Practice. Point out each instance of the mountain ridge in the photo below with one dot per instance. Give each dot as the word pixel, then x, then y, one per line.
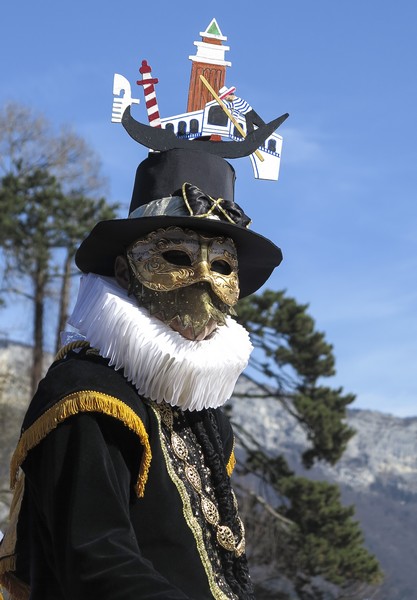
pixel 377 474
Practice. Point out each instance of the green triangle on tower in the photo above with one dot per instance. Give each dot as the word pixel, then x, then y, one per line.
pixel 210 62
pixel 213 28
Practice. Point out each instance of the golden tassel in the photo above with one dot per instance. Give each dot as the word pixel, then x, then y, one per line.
pixel 79 402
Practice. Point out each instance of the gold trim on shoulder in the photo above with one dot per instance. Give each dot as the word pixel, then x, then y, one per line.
pixel 232 461
pixel 78 402
pixel 71 346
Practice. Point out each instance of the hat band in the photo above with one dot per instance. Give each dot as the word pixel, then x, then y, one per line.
pixel 172 206
pixel 193 203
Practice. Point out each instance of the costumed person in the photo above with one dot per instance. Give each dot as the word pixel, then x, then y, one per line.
pixel 122 474
pixel 125 453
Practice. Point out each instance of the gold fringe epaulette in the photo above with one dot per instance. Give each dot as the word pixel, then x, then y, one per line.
pixel 78 402
pixel 231 463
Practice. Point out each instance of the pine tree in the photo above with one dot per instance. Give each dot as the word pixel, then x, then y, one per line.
pixel 29 205
pixel 305 532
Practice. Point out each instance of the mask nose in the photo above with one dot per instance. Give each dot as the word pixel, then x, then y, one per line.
pixel 202 268
pixel 203 271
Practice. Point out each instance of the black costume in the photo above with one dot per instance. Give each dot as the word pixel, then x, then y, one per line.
pixel 95 453
pixel 126 456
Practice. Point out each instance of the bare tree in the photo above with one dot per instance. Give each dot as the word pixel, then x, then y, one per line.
pixel 49 192
pixel 28 143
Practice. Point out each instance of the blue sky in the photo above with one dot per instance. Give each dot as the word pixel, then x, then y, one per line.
pixel 344 210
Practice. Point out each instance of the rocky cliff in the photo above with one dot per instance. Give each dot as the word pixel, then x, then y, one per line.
pixel 377 474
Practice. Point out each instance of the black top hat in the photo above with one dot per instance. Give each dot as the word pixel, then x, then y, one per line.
pixel 183 188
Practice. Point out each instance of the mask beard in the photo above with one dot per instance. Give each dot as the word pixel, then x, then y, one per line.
pixel 194 311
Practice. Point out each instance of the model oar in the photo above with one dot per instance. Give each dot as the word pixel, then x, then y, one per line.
pixel 228 113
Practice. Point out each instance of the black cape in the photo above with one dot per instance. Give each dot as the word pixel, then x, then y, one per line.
pixel 102 509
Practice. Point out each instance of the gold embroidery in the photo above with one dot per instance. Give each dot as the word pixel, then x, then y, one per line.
pixel 84 401
pixel 225 537
pixel 179 446
pixel 210 511
pixel 224 534
pixel 191 520
pixel 193 477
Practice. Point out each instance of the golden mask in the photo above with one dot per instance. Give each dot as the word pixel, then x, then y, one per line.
pixel 194 311
pixel 173 258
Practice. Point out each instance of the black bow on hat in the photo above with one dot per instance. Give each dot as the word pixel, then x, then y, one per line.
pixel 203 206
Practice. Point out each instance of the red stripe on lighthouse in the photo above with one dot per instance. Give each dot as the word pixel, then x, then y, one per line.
pixel 150 95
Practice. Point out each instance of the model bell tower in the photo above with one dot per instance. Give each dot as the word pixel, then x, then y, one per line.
pixel 209 62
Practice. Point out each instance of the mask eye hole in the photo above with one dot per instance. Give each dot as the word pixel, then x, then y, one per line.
pixel 221 266
pixel 177 258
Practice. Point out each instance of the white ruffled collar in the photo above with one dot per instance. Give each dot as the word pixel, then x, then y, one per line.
pixel 162 365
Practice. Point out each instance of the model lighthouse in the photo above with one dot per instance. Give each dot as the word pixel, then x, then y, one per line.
pixel 209 62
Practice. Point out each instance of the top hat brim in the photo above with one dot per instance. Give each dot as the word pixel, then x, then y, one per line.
pixel 257 256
